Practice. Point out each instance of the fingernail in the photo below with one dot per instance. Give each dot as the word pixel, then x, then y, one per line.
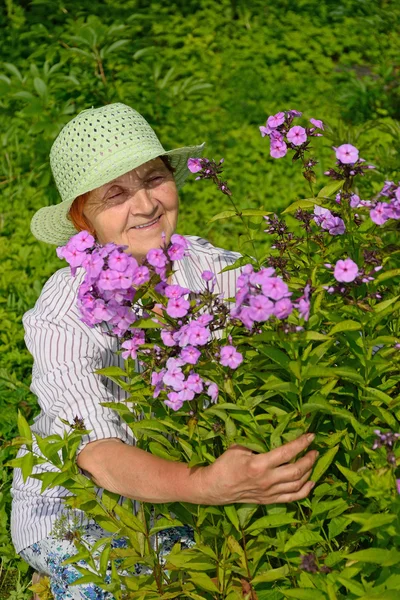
pixel 313 484
pixel 310 436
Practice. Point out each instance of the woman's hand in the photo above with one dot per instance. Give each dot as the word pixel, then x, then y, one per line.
pixel 239 475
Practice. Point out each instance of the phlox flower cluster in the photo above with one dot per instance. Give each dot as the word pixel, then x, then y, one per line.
pixel 348 163
pixel 347 271
pixel 112 279
pixel 326 220
pixel 383 211
pixel 261 295
pixel 284 135
pixel 209 169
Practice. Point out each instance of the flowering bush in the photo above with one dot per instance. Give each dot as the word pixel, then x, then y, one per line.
pixel 309 343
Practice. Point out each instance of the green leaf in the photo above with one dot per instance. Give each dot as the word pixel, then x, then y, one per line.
pixel 274 520
pixel 323 463
pixel 300 204
pixel 250 212
pixel 385 275
pixel 336 526
pixel 245 512
pixel 378 394
pixel 353 586
pixel 302 538
pixel 115 45
pixel 351 476
pixel 337 372
pixel 370 521
pixel 232 515
pixel 377 556
pixel 203 581
pixel 24 429
pixel 112 372
pixel 330 189
pixel 27 464
pixel 271 575
pixel 147 324
pixel 226 214
pixel 40 86
pixel 345 326
pixel 165 523
pixel 276 355
pixel 304 594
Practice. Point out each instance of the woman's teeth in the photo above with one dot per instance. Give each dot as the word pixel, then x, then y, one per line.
pixel 147 224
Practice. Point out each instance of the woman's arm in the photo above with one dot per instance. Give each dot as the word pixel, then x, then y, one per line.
pixel 238 475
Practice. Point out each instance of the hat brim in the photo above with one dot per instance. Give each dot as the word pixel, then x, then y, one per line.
pixel 50 224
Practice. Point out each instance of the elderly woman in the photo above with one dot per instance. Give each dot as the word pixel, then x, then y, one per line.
pixel 117 181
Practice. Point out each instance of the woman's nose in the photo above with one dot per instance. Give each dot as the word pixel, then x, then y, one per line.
pixel 142 202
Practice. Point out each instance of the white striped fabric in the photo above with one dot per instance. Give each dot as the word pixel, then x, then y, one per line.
pixel 66 353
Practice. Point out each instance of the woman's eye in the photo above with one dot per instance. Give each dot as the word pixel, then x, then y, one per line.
pixel 156 178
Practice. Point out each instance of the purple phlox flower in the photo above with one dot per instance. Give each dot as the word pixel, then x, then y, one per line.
pixel 195 383
pixel 83 241
pixel 398 485
pixel 321 216
pixel 262 276
pixel 184 390
pixel 176 238
pixel 140 276
pixel 354 201
pixel 275 288
pixel 213 391
pixel 161 287
pixel 205 319
pixel 278 148
pixel 118 261
pixel 71 254
pixel 108 280
pixel 261 308
pixel 347 154
pixel 335 226
pixel 303 306
pixel 173 378
pixel 317 123
pixel 392 210
pixel 190 355
pixel 244 315
pixel 276 136
pixel 157 381
pixel 208 276
pixel 294 113
pixel 276 120
pixel 178 307
pixel 378 213
pixel 93 263
pixel 230 357
pixel 345 270
pixel 297 135
pixel 167 338
pixel 387 188
pixel 102 311
pixel 198 335
pixel 283 308
pixel 338 198
pixel 265 130
pixel 105 250
pixel 175 291
pixel 174 401
pixel 176 252
pixel 133 344
pixel 397 193
pixel 156 257
pixel 308 563
pixel 194 165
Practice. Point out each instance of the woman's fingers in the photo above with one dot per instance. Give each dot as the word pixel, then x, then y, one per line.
pixel 291 486
pixel 293 496
pixel 296 471
pixel 284 454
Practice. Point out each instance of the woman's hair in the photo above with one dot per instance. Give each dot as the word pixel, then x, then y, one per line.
pixel 76 211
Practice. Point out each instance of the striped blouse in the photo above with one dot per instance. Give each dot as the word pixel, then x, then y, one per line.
pixel 66 353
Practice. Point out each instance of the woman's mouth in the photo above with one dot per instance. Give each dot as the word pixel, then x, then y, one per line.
pixel 147 225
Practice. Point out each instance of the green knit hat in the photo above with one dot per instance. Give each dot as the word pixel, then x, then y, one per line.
pixel 97 146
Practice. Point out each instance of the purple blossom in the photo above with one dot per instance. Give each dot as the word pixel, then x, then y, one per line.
pixel 347 154
pixel 278 149
pixel 83 241
pixel 195 383
pixel 177 307
pixel 275 288
pixel 283 308
pixel 265 130
pixel 303 306
pixel 317 123
pixel 176 238
pixel 276 120
pixel 378 213
pixel 194 165
pixel 335 226
pixel 230 357
pixel 133 344
pixel 175 291
pixel 157 382
pixel 174 401
pixel 345 270
pixel 294 113
pixel 198 335
pixel 140 276
pixel 297 135
pixel 173 378
pixel 156 257
pixel 167 338
pixel 118 261
pixel 213 391
pixel 190 355
pixel 261 308
pixel 322 216
pixel 208 276
pixel 354 201
pixel 176 252
pixel 93 263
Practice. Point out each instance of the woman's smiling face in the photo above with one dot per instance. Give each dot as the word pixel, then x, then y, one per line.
pixel 135 209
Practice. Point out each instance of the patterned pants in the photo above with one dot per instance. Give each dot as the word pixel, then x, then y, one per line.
pixel 47 555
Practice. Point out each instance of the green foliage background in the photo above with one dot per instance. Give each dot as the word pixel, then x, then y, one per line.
pixel 198 71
